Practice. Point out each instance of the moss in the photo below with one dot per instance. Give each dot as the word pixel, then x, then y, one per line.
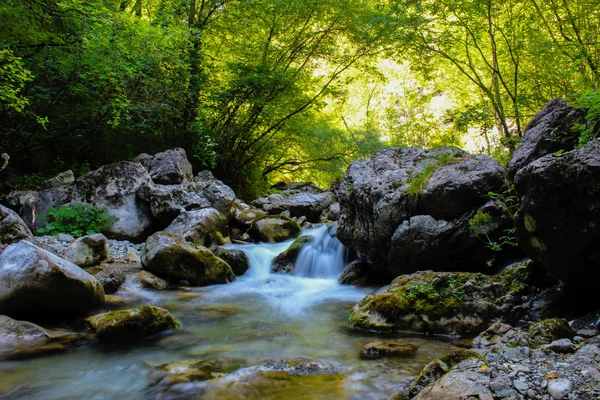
pixel 387 349
pixel 132 324
pixel 549 330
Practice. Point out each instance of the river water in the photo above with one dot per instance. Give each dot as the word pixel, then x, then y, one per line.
pixel 259 317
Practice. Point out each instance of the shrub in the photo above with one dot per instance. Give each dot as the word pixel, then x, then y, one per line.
pixel 76 220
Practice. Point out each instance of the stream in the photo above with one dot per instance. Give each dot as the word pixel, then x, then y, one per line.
pixel 261 316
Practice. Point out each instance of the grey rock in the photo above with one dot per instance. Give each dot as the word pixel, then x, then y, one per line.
pixel 150 281
pixel 63 237
pixel 114 187
pixel 36 282
pixel 274 229
pixel 549 131
pixel 502 387
pixel 560 346
pixel 521 386
pixel 309 205
pixel 458 385
pixel 111 278
pixel 206 227
pixel 559 388
pixel 557 222
pixel 12 228
pixel 62 179
pixel 88 251
pixel 170 167
pixel 219 195
pixel 382 219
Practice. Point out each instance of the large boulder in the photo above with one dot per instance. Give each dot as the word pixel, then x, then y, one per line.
pixel 169 256
pixel 88 251
pixel 549 131
pixel 409 209
pixel 445 302
pixel 12 228
pixel 558 222
pixel 274 228
pixel 34 281
pixel 114 187
pixel 219 195
pixel 310 205
pixel 170 167
pixel 206 227
pixel 236 258
pixel 131 324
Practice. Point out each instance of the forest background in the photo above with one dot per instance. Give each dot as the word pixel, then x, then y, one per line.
pixel 266 90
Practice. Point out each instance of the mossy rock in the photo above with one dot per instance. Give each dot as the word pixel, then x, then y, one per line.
pixel 285 262
pixel 236 259
pixel 178 372
pixel 442 302
pixel 131 324
pixel 274 228
pixel 169 256
pixel 439 367
pixel 379 349
pixel 549 330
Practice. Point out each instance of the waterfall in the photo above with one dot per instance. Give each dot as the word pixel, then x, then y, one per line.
pixel 322 257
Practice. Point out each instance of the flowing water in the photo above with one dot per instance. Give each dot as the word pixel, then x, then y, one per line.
pixel 259 317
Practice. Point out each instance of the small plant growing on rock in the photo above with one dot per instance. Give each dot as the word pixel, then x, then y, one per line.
pixel 480 225
pixel 76 220
pixel 417 182
pixel 588 100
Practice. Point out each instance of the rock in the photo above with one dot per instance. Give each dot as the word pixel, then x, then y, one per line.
pixel 521 386
pixel 114 187
pixel 274 229
pixel 236 258
pixel 206 227
pixel 443 302
pixel 170 167
pixel 63 237
pixel 560 346
pixel 145 159
pixel 549 131
pixel 559 388
pixel 303 204
pixel 244 218
pixel 131 324
pixel 358 274
pixel 458 385
pixel 219 195
pixel 111 278
pixel 440 367
pixel 297 187
pixel 285 262
pixel 549 330
pixel 150 281
pixel 62 179
pixel 12 228
pixel 20 339
pixel 88 251
pixel 181 372
pixel 391 199
pixel 38 283
pixel 557 222
pixel 492 335
pixel 32 205
pixel 380 349
pixel 332 213
pixel 171 257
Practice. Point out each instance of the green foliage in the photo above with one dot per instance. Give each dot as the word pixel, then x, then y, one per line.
pixel 76 220
pixel 588 100
pixel 417 182
pixel 480 225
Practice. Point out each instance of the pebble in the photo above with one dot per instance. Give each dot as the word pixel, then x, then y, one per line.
pixel 520 386
pixel 564 346
pixel 531 394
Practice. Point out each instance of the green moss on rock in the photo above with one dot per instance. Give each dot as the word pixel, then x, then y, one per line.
pixel 549 330
pixel 131 324
pixel 274 228
pixel 442 302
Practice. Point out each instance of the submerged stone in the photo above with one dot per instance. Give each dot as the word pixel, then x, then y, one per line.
pixel 381 349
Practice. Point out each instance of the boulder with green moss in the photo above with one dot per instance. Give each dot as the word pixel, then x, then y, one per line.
pixel 206 227
pixel 274 228
pixel 549 330
pixel 170 257
pixel 285 262
pixel 444 302
pixel 379 349
pixel 36 282
pixel 131 324
pixel 236 258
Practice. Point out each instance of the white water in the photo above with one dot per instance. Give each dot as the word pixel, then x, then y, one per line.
pixel 319 264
